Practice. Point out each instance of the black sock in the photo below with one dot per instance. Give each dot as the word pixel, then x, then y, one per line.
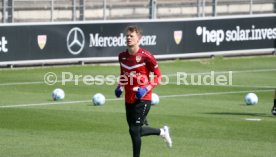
pixel 150 131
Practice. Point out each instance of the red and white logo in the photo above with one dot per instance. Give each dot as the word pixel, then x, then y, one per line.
pixel 41 41
pixel 138 59
pixel 177 37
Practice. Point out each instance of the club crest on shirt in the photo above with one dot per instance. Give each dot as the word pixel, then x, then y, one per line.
pixel 138 58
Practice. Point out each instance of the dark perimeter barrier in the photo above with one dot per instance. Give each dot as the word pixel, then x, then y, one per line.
pixel 40 43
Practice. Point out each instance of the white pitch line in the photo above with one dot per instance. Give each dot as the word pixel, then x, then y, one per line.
pixel 20 83
pixel 243 86
pixel 42 104
pixel 213 93
pixel 253 119
pixel 42 82
pixel 53 103
pixel 225 72
pixel 116 99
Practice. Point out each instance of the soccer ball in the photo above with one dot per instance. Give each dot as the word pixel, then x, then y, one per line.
pixel 154 99
pixel 251 99
pixel 98 99
pixel 58 94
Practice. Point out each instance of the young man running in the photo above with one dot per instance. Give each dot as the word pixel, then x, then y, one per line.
pixel 136 64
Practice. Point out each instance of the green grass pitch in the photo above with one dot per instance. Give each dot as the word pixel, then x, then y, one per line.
pixel 205 120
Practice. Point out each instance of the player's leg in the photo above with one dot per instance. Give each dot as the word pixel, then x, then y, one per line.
pixel 274 108
pixel 135 133
pixel 146 122
pixel 136 114
pixel 274 105
pixel 143 109
pixel 146 131
pixel 134 129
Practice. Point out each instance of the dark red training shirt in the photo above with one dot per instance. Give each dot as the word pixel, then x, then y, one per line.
pixel 135 72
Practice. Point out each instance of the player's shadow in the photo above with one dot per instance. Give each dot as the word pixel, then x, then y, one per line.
pixel 239 114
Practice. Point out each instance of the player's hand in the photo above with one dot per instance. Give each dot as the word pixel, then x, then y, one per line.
pixel 141 92
pixel 118 91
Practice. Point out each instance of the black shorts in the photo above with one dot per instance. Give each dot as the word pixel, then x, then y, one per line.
pixel 137 112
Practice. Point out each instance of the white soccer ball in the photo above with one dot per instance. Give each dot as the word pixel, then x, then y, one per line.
pixel 58 94
pixel 251 99
pixel 154 99
pixel 98 99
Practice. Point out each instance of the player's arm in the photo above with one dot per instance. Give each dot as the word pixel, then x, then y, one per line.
pixel 152 66
pixel 156 78
pixel 142 91
pixel 119 88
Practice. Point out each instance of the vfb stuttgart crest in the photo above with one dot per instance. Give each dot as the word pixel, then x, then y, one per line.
pixel 177 37
pixel 138 59
pixel 41 41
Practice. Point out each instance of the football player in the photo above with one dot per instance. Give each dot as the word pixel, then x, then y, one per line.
pixel 136 64
pixel 274 106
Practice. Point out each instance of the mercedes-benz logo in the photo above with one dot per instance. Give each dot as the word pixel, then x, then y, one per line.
pixel 75 41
